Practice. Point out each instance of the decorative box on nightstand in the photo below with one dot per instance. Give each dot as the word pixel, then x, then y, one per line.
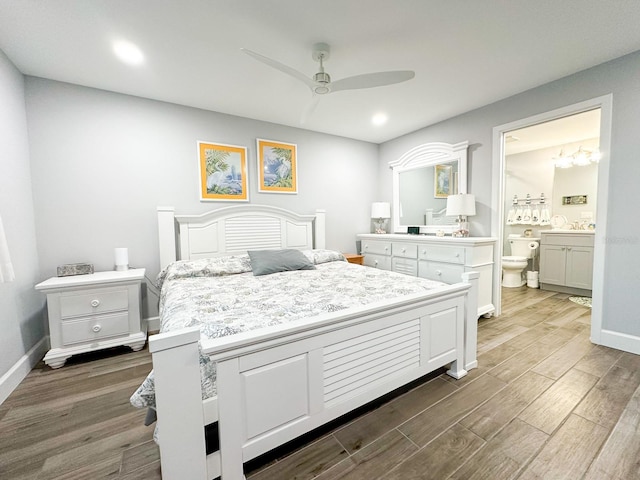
pixel 92 312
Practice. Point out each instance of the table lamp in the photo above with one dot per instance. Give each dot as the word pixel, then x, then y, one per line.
pixel 461 205
pixel 380 212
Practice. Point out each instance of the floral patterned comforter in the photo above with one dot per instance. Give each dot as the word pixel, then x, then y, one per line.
pixel 222 297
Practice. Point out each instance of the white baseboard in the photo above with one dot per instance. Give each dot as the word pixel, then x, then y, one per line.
pixel 153 324
pixel 620 341
pixel 10 380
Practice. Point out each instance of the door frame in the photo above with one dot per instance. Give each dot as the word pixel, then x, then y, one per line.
pixel 605 104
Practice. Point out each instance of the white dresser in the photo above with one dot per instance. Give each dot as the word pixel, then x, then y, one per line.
pixel 92 312
pixel 436 258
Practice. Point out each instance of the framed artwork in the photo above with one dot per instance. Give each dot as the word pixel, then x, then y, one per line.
pixel 223 172
pixel 277 167
pixel 442 181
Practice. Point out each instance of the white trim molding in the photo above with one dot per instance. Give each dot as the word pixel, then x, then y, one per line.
pixel 605 104
pixel 10 380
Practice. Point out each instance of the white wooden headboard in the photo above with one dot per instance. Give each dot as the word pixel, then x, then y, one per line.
pixel 234 230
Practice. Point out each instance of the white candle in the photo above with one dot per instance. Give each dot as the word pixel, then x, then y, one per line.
pixel 122 259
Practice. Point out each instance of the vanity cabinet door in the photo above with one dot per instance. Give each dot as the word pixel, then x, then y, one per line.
pixel 552 264
pixel 579 267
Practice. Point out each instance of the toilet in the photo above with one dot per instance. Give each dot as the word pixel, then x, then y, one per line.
pixel 513 266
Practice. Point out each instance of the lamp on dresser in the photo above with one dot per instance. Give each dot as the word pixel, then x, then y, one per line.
pixel 462 205
pixel 380 212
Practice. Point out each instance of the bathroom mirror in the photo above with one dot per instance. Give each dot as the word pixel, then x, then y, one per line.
pixel 422 179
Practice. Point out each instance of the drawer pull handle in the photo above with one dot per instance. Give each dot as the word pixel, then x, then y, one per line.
pixel 95 303
pixel 457 255
pixel 96 328
pixel 438 272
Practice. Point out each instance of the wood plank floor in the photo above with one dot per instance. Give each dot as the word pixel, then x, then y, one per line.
pixel 544 403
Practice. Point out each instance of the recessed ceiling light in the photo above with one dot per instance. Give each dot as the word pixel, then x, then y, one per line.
pixel 379 119
pixel 128 52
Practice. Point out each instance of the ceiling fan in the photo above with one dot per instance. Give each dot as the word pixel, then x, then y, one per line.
pixel 321 84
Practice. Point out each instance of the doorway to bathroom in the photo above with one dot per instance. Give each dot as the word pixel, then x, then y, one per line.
pixel 553 167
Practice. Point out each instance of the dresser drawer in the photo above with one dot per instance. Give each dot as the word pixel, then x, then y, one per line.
pixel 378 261
pixel 378 248
pixel 405 265
pixel 442 254
pixel 443 272
pixel 93 302
pixel 100 326
pixel 404 250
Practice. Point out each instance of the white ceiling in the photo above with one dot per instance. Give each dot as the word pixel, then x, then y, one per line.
pixel 562 131
pixel 466 54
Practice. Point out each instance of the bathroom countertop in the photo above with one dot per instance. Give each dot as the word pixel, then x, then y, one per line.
pixel 565 231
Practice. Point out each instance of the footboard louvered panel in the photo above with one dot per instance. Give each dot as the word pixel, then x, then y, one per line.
pixel 353 365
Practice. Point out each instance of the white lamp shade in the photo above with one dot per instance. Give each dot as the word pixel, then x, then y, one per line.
pixel 380 210
pixel 461 204
pixel 122 259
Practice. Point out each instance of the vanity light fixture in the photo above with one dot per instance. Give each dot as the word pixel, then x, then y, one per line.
pixel 580 158
pixel 128 52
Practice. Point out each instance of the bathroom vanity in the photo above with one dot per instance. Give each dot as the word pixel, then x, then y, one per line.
pixel 436 258
pixel 566 261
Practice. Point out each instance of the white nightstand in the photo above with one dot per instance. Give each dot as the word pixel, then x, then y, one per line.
pixel 92 312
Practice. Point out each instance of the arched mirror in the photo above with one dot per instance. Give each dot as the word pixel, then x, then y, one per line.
pixel 422 179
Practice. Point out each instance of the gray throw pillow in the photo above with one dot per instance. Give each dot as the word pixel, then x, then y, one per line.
pixel 264 262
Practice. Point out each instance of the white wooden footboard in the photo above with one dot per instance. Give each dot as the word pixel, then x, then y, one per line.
pixel 277 384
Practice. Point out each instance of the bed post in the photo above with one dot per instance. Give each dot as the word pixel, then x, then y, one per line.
pixel 166 235
pixel 319 226
pixel 176 365
pixel 231 419
pixel 471 321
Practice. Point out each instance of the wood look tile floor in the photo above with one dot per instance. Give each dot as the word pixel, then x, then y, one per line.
pixel 544 403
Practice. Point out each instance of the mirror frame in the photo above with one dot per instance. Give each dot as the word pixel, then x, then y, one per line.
pixel 425 155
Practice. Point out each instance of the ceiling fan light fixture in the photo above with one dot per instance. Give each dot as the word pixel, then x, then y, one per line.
pixel 321 90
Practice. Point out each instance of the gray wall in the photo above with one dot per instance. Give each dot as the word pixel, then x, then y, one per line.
pixel 102 162
pixel 21 321
pixel 618 77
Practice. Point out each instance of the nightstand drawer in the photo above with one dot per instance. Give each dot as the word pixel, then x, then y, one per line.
pixel 93 328
pixel 93 302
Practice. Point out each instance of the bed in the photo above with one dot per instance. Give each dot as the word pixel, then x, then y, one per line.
pixel 283 379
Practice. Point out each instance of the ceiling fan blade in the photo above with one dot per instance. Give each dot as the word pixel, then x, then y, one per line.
pixel 370 80
pixel 310 109
pixel 281 66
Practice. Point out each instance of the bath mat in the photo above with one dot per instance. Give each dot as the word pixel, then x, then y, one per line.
pixel 584 301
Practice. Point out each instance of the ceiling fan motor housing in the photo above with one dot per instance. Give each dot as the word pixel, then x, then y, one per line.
pixel 322 77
